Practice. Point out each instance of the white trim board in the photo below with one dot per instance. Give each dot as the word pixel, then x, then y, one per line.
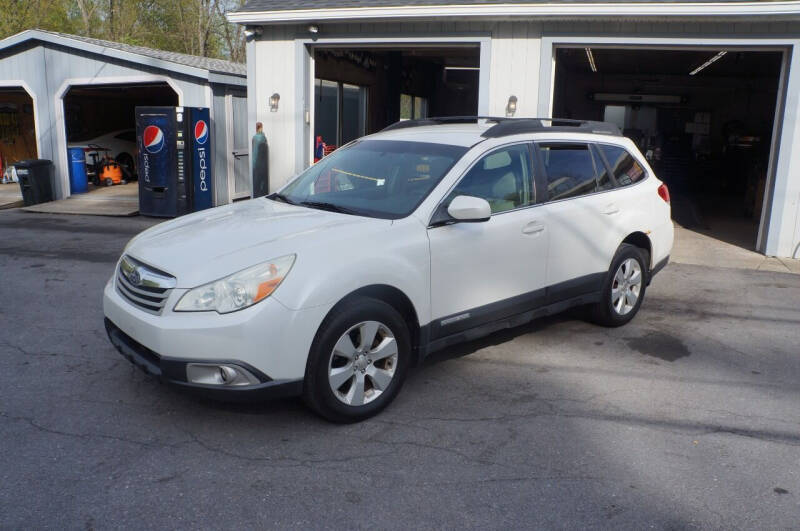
pixel 789 8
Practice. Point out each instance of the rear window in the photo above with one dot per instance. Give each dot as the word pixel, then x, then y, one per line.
pixel 626 168
pixel 570 170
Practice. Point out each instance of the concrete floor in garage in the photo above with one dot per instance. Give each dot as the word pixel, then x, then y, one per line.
pixel 687 417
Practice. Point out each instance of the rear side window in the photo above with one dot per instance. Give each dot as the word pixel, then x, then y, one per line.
pixel 626 169
pixel 570 169
pixel 604 181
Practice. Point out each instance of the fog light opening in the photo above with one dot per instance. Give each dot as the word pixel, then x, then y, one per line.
pixel 227 375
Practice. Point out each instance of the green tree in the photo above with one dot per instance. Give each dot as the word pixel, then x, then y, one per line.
pixel 19 15
pixel 196 27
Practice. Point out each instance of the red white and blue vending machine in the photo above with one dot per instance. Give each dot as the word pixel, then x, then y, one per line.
pixel 174 162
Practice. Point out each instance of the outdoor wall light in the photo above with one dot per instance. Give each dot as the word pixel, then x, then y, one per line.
pixel 313 28
pixel 273 102
pixel 251 31
pixel 511 106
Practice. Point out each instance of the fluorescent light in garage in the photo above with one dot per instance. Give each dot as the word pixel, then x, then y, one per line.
pixel 590 57
pixel 711 61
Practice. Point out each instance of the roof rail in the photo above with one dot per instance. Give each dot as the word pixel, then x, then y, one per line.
pixel 515 126
pixel 439 120
pixel 537 125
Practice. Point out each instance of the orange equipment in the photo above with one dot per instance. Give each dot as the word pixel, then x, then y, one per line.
pixel 110 172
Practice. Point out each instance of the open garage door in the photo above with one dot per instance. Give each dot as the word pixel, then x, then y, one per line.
pixel 17 126
pixel 17 140
pixel 100 119
pixel 704 118
pixel 360 90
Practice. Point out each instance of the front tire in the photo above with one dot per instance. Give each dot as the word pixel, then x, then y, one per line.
pixel 624 288
pixel 358 361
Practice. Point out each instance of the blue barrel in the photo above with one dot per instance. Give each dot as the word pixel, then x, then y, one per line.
pixel 78 181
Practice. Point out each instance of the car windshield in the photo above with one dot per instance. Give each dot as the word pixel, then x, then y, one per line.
pixel 376 178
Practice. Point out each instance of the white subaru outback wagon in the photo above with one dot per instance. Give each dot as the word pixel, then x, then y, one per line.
pixel 401 243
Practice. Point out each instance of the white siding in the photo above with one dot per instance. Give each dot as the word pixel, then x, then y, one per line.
pixel 514 68
pixel 274 71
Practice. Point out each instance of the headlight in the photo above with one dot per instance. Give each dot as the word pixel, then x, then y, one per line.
pixel 239 290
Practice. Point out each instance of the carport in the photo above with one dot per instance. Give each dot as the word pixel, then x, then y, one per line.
pixel 82 88
pixel 705 118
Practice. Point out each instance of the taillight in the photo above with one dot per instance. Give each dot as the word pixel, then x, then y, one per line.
pixel 663 192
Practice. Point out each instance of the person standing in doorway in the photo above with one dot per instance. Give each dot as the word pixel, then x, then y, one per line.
pixel 260 153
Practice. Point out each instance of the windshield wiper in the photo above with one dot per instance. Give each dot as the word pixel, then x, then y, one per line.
pixel 280 197
pixel 322 205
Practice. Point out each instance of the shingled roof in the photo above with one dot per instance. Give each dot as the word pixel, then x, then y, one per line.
pixel 216 66
pixel 288 5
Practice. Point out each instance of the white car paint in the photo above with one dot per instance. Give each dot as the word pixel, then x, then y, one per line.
pixel 443 271
pixel 109 141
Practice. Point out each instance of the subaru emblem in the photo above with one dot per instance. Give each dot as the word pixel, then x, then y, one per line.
pixel 135 277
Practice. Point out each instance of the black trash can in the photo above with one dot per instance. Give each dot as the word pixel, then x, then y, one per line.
pixel 35 180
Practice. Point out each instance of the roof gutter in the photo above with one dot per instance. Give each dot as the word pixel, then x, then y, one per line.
pixel 790 8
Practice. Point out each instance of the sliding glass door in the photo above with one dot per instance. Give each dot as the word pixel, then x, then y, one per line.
pixel 340 112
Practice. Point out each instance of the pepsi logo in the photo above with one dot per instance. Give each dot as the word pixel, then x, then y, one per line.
pixel 153 139
pixel 201 131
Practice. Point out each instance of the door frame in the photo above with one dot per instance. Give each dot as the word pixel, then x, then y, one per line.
pixel 306 73
pixel 781 144
pixel 60 111
pixel 20 84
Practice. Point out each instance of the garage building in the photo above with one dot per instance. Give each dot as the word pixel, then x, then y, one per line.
pixel 709 90
pixel 58 90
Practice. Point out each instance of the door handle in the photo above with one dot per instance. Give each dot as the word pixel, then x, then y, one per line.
pixel 534 227
pixel 611 209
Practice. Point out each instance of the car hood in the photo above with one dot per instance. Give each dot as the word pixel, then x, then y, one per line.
pixel 205 246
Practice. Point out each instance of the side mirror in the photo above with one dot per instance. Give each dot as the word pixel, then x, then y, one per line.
pixel 469 208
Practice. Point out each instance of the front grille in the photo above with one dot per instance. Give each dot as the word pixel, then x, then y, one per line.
pixel 143 286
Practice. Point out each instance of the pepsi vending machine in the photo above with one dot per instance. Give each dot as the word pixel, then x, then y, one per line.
pixel 175 175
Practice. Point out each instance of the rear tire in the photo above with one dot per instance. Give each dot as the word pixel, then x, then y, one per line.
pixel 109 182
pixel 358 361
pixel 624 288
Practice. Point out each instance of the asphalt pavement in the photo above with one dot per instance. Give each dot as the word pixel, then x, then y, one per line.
pixel 688 417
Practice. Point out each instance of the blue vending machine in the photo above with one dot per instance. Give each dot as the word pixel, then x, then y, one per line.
pixel 175 175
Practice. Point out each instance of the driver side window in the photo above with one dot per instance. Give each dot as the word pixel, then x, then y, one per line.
pixel 503 178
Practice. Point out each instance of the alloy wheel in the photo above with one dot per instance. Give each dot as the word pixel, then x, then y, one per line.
pixel 363 363
pixel 626 287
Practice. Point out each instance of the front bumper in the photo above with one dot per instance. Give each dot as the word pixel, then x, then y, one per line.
pixel 268 336
pixel 173 371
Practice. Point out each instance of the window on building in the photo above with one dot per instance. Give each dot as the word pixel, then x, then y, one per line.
pixel 626 168
pixel 413 107
pixel 570 169
pixel 340 112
